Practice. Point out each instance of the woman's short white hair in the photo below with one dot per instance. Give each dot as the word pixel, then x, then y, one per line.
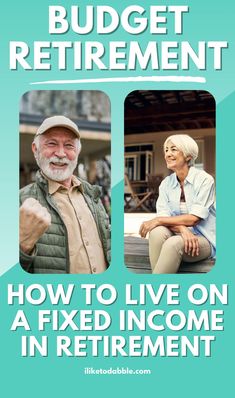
pixel 185 144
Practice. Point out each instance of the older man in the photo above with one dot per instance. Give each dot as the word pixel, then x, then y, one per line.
pixel 63 225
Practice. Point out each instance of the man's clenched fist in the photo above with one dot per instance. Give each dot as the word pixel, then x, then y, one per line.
pixel 34 221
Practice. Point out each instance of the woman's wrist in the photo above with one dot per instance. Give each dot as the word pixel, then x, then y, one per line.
pixel 182 228
pixel 158 221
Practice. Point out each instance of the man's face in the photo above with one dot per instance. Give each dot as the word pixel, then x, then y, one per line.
pixel 57 153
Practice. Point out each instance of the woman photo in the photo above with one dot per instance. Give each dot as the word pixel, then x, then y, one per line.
pixel 184 228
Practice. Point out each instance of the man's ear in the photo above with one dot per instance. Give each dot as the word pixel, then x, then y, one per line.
pixel 34 148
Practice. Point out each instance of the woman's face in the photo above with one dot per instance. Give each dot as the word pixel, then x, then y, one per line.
pixel 175 159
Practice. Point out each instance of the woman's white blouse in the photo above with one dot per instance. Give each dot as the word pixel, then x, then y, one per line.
pixel 199 191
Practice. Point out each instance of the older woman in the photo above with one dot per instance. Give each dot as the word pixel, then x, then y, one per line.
pixel 184 228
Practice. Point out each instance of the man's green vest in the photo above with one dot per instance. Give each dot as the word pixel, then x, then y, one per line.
pixel 52 250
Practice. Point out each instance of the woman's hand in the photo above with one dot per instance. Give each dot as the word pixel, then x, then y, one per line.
pixel 191 244
pixel 147 226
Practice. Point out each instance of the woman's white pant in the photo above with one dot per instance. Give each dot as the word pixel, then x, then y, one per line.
pixel 166 251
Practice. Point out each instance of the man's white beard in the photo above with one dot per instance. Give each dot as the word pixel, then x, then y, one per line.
pixel 53 174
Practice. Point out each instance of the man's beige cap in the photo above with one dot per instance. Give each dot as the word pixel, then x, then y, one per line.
pixel 55 121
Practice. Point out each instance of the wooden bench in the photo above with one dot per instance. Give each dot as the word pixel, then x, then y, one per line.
pixel 137 258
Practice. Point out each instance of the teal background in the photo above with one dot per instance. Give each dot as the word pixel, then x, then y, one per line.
pixel 28 21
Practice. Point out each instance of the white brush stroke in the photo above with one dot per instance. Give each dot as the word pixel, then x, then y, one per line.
pixel 176 79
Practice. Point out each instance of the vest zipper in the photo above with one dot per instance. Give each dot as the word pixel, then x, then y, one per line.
pixel 48 198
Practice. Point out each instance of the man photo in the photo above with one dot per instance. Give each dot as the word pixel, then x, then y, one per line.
pixel 63 225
